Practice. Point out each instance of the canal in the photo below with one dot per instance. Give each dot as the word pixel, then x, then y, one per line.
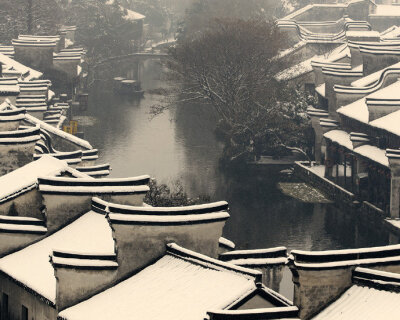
pixel 180 145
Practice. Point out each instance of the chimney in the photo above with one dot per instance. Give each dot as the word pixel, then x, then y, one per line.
pixel 65 199
pixel 80 276
pixel 141 233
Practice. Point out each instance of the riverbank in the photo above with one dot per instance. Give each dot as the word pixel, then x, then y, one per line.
pixel 314 175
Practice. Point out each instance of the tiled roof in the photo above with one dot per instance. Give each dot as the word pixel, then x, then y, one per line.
pixel 88 234
pixel 180 285
pixel 374 295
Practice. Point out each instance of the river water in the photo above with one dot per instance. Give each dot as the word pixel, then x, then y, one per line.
pixel 180 144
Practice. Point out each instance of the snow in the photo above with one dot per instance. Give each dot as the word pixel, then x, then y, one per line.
pixel 258 261
pixel 394 223
pixel 18 218
pixel 296 70
pixel 174 287
pixel 386 10
pixel 360 303
pixel 390 123
pixel 27 175
pixel 321 90
pixel 84 262
pixel 356 110
pixel 292 49
pixel 115 217
pixel 58 132
pixel 372 78
pixel 130 14
pixel 346 251
pixel 373 153
pixel 379 273
pixel 11 63
pixel 364 34
pixel 255 251
pixel 392 32
pixel 388 93
pixel 341 137
pixel 347 263
pixel 165 209
pixel 88 234
pixel 226 242
pixel 318 170
pixel 93 189
pixel 255 312
pixel 22 227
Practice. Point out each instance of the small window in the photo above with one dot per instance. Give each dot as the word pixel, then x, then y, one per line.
pixel 24 313
pixel 4 309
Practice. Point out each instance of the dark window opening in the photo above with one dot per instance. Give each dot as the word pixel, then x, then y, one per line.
pixel 24 313
pixel 4 309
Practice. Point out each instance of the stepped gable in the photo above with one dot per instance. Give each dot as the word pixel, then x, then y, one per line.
pixel 18 232
pixel 25 178
pixel 28 225
pixel 256 257
pixel 181 284
pixel 116 186
pixel 374 294
pixel 100 170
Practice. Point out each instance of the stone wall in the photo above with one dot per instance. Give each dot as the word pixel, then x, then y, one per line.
pixel 334 191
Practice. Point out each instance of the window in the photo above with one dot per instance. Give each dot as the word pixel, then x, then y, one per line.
pixel 24 313
pixel 4 309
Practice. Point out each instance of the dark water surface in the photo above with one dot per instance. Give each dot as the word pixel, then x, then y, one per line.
pixel 180 144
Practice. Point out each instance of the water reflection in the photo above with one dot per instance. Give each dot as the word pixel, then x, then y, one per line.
pixel 180 144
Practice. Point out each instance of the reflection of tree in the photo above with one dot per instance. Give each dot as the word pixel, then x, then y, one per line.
pixel 195 125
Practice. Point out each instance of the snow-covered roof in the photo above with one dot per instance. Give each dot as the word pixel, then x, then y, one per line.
pixel 341 137
pixel 359 303
pixel 386 10
pixel 89 234
pixel 373 153
pixel 19 67
pixel 65 135
pixel 130 14
pixel 181 285
pixel 373 77
pixel 390 123
pixel 358 110
pixel 296 70
pixel 375 295
pixel 392 32
pixel 16 224
pixel 26 177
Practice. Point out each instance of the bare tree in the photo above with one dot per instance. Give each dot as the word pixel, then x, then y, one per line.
pixel 231 66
